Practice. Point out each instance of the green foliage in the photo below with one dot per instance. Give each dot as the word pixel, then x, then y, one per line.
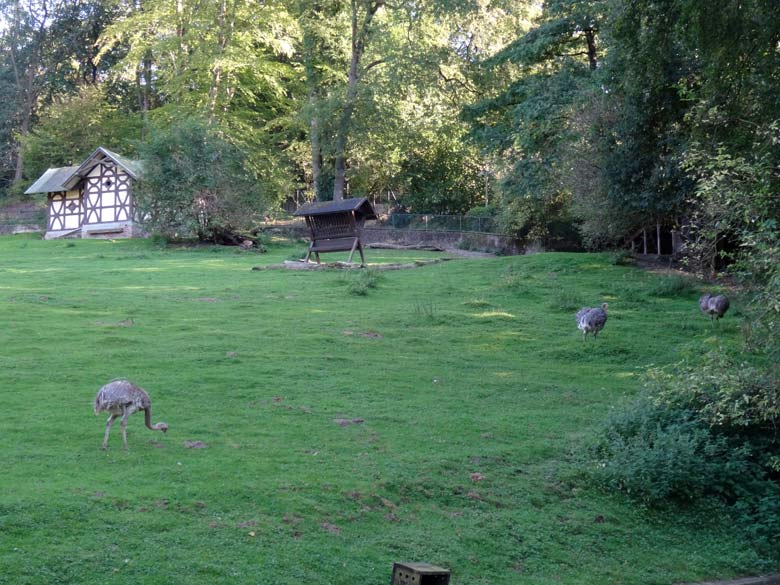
pixel 623 258
pixel 196 184
pixel 655 454
pixel 444 178
pixel 565 300
pixel 524 126
pixel 726 395
pixel 71 127
pixel 360 282
pixel 674 285
pixel 700 430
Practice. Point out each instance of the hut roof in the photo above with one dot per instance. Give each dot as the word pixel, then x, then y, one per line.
pixel 360 205
pixel 66 178
pixel 51 181
pixel 100 155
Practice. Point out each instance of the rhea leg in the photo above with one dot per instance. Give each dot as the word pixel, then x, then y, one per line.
pixel 124 430
pixel 109 422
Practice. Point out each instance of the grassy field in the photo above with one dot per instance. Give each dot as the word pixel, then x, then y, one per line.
pixel 440 417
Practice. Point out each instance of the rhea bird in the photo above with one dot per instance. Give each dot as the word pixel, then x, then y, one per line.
pixel 592 320
pixel 123 398
pixel 714 305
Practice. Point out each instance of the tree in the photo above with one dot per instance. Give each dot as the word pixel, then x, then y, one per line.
pixel 526 124
pixel 72 126
pixel 47 50
pixel 195 183
pixel 228 62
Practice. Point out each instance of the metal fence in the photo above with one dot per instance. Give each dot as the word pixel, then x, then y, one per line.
pixel 440 223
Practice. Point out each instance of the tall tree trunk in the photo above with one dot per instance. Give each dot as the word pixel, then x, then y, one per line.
pixel 316 148
pixel 359 38
pixel 26 86
pixel 313 83
pixel 590 39
pixel 225 23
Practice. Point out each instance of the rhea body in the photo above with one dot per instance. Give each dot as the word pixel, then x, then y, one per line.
pixel 714 305
pixel 121 398
pixel 592 320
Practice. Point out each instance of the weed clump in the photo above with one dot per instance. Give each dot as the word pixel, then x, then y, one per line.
pixel 361 282
pixel 565 300
pixel 672 286
pixel 622 258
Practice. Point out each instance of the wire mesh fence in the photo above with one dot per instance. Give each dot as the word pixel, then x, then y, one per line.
pixel 441 223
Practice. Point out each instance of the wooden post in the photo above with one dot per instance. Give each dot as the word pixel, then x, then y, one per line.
pixel 644 240
pixel 658 238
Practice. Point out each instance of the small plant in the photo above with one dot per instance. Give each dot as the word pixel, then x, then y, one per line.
pixel 296 256
pixel 70 244
pixel 514 279
pixel 425 310
pixel 622 258
pixel 672 286
pixel 565 300
pixel 159 240
pixel 360 283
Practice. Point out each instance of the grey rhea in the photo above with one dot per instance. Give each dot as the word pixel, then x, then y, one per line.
pixel 714 305
pixel 591 320
pixel 123 398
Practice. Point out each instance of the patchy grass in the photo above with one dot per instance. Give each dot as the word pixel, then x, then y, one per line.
pixel 438 417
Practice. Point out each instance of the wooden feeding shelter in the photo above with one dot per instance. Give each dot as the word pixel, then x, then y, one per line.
pixel 336 226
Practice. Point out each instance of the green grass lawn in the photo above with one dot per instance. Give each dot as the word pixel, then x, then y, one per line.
pixel 476 393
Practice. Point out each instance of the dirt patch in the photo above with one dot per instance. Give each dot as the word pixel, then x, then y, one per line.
pixel 195 444
pixel 124 323
pixel 371 335
pixel 344 422
pixel 332 528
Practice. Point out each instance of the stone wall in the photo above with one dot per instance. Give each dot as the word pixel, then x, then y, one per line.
pixel 465 240
pixel 22 217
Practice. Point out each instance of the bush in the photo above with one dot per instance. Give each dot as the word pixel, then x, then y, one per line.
pixel 702 430
pixel 565 300
pixel 623 258
pixel 195 183
pixel 654 454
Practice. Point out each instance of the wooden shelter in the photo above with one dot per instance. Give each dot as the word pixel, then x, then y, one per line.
pixel 336 226
pixel 93 199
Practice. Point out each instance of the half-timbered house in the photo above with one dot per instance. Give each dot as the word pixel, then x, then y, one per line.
pixel 92 200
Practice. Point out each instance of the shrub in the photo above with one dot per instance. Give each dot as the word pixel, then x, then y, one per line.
pixel 195 183
pixel 654 454
pixel 701 430
pixel 623 258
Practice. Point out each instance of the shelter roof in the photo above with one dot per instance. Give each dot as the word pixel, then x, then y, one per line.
pixel 66 178
pixel 51 181
pixel 360 205
pixel 100 155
